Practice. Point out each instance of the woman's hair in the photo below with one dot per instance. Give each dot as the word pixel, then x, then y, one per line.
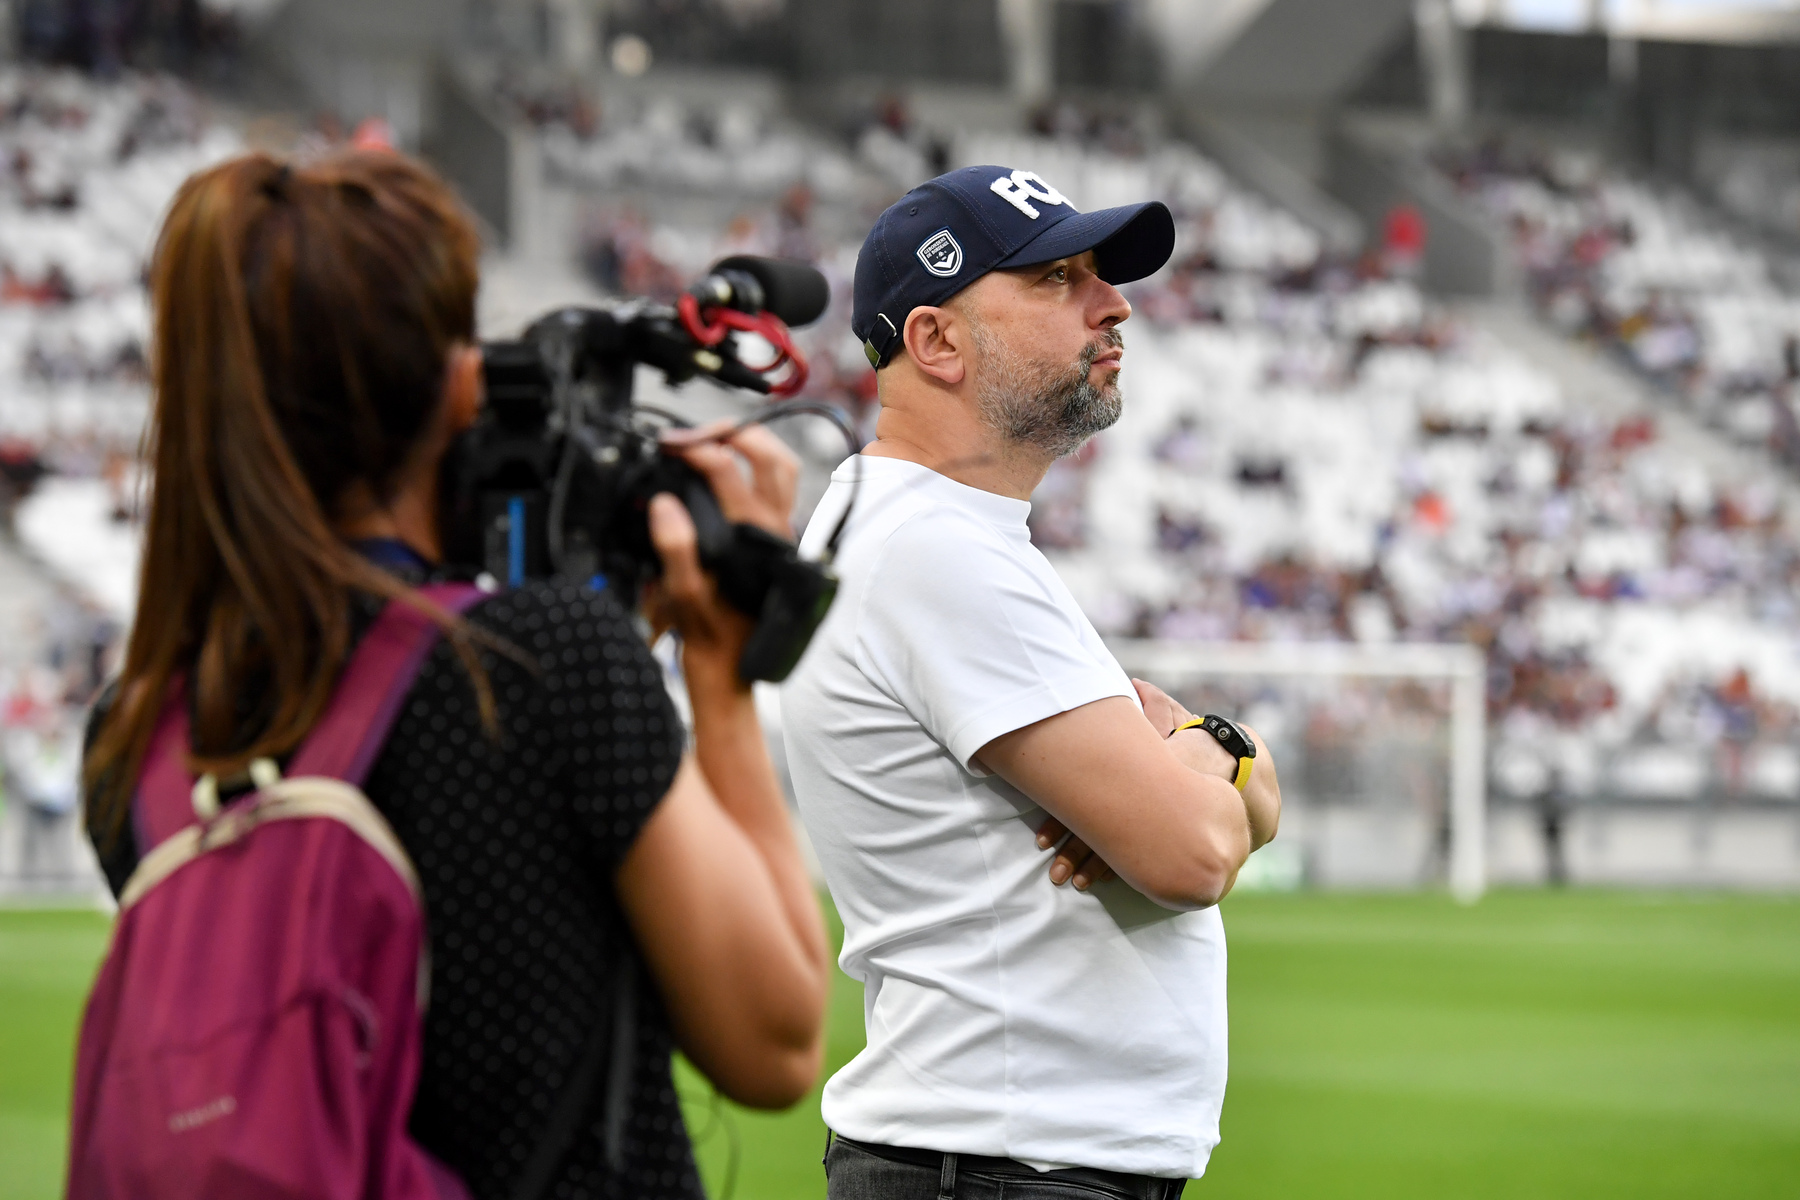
pixel 304 318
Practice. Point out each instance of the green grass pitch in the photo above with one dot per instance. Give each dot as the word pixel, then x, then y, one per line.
pixel 1540 1044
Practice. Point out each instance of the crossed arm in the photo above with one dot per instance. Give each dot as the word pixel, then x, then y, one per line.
pixel 1157 810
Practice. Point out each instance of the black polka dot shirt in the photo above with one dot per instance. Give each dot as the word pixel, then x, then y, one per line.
pixel 516 842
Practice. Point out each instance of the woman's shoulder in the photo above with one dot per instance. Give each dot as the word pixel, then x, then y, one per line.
pixel 577 639
pixel 550 605
pixel 546 619
pixel 580 697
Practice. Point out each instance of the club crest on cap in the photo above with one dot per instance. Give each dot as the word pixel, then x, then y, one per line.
pixel 941 254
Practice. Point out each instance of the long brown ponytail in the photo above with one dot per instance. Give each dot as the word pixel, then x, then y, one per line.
pixel 303 319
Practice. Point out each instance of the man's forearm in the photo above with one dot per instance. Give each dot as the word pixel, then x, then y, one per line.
pixel 1159 810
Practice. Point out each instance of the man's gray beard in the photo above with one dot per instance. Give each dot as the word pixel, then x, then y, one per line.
pixel 1039 405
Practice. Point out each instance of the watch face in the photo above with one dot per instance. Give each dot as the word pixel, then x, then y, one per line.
pixel 1230 736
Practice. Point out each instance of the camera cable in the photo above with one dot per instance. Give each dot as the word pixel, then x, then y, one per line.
pixel 834 414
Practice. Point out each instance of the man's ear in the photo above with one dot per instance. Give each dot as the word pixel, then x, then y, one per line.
pixel 939 343
pixel 462 388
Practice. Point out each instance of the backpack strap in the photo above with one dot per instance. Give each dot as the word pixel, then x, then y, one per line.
pixel 620 1036
pixel 350 732
pixel 343 743
pixel 161 808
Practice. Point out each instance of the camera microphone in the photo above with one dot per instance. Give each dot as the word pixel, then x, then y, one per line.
pixel 787 288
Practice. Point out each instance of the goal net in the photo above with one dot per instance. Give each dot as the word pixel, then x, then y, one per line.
pixel 1380 748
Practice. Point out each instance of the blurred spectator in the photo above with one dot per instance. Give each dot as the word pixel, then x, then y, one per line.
pixel 42 709
pixel 1403 241
pixel 41 762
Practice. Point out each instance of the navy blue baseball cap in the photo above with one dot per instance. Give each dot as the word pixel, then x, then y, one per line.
pixel 950 231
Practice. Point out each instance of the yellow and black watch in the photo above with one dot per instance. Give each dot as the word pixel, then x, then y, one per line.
pixel 1235 740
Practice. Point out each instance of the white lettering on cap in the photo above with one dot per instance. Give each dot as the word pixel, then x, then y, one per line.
pixel 1022 187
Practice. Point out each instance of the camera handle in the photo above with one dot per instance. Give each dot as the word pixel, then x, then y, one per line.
pixel 759 574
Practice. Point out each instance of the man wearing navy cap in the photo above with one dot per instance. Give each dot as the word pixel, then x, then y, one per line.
pixel 957 720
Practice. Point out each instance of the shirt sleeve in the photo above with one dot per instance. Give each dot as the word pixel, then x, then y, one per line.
pixel 624 737
pixel 965 635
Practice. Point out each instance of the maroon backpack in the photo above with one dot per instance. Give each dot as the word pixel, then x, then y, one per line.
pixel 255 1030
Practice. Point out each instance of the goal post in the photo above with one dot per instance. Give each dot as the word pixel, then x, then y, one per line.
pixel 1462 667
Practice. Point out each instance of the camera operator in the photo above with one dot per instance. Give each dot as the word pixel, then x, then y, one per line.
pixel 314 359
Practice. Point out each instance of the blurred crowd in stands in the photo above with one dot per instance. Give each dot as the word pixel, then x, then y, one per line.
pixel 663 143
pixel 1310 449
pixel 1329 458
pixel 86 169
pixel 1651 273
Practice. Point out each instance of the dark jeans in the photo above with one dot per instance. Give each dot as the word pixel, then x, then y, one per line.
pixel 854 1171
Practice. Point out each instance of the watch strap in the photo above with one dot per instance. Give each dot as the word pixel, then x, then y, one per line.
pixel 1229 736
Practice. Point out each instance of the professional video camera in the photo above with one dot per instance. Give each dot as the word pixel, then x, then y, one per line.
pixel 555 477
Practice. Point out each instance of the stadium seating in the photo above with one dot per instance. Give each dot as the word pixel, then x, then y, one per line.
pixel 1653 274
pixel 1314 453
pixel 86 171
pixel 1311 449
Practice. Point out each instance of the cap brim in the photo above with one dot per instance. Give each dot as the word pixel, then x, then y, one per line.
pixel 1129 242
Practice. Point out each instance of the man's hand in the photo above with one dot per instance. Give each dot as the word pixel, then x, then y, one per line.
pixel 1199 750
pixel 1162 710
pixel 1075 861
pixel 1074 858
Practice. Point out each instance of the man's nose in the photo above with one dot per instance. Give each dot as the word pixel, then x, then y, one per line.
pixel 1109 305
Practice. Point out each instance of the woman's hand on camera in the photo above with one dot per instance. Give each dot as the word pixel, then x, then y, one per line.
pixel 686 598
pixel 766 499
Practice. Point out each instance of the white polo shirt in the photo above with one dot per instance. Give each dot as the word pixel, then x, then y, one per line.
pixel 1005 1016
